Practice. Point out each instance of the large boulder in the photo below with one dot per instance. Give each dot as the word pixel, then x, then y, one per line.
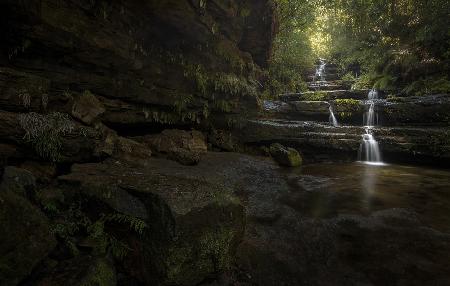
pixel 194 225
pixel 25 237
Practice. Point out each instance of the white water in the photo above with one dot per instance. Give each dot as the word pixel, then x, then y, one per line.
pixel 332 118
pixel 369 150
pixel 370 118
pixel 320 70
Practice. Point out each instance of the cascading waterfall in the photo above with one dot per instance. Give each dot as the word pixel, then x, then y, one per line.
pixel 332 118
pixel 369 150
pixel 319 77
pixel 320 70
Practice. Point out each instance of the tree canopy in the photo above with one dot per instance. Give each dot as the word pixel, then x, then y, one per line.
pixel 401 45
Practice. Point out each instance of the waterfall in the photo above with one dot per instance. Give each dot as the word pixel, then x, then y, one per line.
pixel 320 70
pixel 369 151
pixel 370 118
pixel 333 119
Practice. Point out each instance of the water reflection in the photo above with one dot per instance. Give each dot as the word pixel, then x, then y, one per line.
pixel 327 190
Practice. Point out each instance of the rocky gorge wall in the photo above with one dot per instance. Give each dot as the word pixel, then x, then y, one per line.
pixel 86 87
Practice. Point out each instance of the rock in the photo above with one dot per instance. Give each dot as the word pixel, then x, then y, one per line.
pixel 182 146
pixel 285 156
pixel 114 62
pixel 131 150
pixel 44 172
pixel 81 270
pixel 320 142
pixel 25 237
pixel 87 107
pixel 184 156
pixel 194 225
pixel 223 140
pixel 19 181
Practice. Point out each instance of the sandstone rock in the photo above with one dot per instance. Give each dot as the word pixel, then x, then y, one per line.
pixel 87 107
pixel 182 146
pixel 130 150
pixel 25 237
pixel 285 156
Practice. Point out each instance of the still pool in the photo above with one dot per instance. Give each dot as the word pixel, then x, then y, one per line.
pixel 361 188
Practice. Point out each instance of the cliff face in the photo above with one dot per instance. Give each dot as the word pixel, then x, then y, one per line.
pixel 81 82
pixel 172 61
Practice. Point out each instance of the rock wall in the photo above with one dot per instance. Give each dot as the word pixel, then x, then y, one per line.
pixel 83 87
pixel 171 62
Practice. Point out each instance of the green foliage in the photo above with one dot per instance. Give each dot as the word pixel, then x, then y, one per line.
pixel 45 132
pixel 181 104
pixel 315 96
pixel 428 86
pixel 73 221
pixel 230 84
pixel 395 42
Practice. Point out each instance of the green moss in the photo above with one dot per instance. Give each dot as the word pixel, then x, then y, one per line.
pixel 316 96
pixel 347 102
pixel 101 274
pixel 216 245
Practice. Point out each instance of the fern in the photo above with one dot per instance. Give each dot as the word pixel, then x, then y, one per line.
pixel 136 224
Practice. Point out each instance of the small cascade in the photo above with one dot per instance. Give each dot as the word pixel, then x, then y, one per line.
pixel 369 150
pixel 370 117
pixel 333 119
pixel 319 77
pixel 320 70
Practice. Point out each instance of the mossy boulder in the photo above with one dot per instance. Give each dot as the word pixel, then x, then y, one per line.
pixel 25 237
pixel 285 156
pixel 194 225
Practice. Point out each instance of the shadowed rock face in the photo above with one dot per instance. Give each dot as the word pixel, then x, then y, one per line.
pixel 145 61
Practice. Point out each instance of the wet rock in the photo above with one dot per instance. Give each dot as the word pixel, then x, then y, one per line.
pixel 25 237
pixel 194 224
pixel 285 156
pixel 316 140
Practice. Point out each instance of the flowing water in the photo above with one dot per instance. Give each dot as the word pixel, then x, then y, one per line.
pixel 332 119
pixel 369 150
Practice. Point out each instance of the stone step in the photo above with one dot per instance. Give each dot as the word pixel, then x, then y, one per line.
pixel 326 95
pixel 397 143
pixel 417 111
